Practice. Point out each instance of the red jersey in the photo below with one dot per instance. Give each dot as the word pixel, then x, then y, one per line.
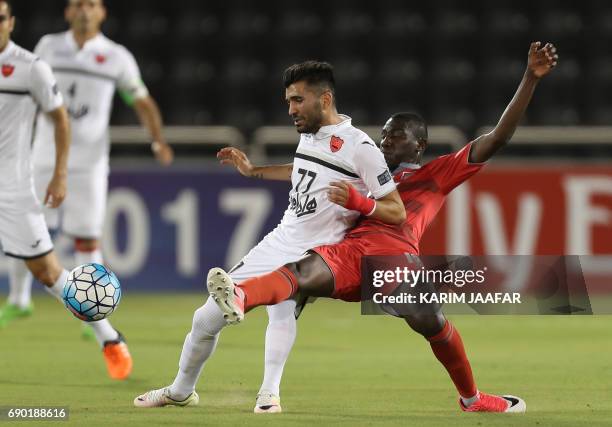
pixel 423 191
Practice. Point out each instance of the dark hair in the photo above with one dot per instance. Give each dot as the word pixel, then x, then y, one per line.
pixel 314 73
pixel 415 123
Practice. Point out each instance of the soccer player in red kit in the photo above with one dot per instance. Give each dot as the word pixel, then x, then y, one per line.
pixel 334 270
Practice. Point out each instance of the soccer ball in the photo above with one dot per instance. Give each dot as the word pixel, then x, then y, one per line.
pixel 92 292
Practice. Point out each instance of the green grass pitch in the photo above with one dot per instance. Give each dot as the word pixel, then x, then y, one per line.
pixel 345 369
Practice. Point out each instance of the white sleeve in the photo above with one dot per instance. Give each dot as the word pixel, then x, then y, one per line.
pixel 372 169
pixel 130 82
pixel 39 50
pixel 44 87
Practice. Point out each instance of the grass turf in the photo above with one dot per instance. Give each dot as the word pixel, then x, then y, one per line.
pixel 345 369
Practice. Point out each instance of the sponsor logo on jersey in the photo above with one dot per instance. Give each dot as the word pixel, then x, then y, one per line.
pixel 301 202
pixel 100 59
pixel 384 177
pixel 303 205
pixel 7 69
pixel 335 144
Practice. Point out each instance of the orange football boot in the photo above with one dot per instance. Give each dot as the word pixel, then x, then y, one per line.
pixel 118 358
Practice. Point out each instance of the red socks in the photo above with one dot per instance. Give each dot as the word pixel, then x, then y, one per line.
pixel 269 289
pixel 448 348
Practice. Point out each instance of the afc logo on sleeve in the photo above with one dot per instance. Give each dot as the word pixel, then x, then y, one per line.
pixel 384 177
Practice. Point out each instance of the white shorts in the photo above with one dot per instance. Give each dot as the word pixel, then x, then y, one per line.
pixel 23 231
pixel 82 212
pixel 270 254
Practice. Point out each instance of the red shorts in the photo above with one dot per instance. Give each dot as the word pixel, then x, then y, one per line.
pixel 344 260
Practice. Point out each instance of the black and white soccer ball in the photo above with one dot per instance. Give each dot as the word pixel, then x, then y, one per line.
pixel 92 292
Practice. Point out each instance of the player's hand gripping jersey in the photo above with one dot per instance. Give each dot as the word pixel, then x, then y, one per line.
pixel 87 78
pixel 335 153
pixel 423 191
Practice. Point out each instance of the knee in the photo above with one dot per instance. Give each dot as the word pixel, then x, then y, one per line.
pixel 207 323
pixel 283 312
pixel 294 268
pixel 86 245
pixel 427 325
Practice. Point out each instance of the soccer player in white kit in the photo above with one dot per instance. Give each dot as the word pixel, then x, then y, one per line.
pixel 330 150
pixel 26 85
pixel 89 68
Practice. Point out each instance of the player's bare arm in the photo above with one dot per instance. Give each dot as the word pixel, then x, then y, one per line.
pixel 237 158
pixel 540 62
pixel 56 191
pixel 388 209
pixel 150 117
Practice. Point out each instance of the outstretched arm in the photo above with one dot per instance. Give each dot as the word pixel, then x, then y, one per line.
pixel 540 62
pixel 238 159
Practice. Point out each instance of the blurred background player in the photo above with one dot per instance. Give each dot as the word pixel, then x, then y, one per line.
pixel 89 68
pixel 330 150
pixel 335 270
pixel 26 85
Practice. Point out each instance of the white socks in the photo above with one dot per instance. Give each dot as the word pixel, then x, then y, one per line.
pixel 469 401
pixel 58 286
pixel 102 328
pixel 280 336
pixel 199 344
pixel 20 283
pixel 81 258
pixel 201 341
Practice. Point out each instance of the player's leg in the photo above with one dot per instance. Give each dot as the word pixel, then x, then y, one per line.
pixel 201 340
pixel 83 216
pixel 310 276
pixel 19 301
pixel 84 210
pixel 269 288
pixel 87 250
pixel 447 346
pixel 313 276
pixel 282 325
pixel 48 271
pixel 280 337
pixel 198 346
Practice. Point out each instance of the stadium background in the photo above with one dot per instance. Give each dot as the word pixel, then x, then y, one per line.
pixel 215 67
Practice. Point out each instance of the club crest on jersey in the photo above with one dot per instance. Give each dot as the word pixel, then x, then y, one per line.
pixel 100 59
pixel 7 69
pixel 335 144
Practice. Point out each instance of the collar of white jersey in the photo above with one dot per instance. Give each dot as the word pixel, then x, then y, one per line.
pixel 329 130
pixel 88 44
pixel 7 50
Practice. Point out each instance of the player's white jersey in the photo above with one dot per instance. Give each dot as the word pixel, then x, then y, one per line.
pixel 26 84
pixel 87 78
pixel 335 153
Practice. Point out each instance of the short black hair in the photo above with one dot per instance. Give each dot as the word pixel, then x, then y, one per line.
pixel 9 6
pixel 415 123
pixel 314 73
